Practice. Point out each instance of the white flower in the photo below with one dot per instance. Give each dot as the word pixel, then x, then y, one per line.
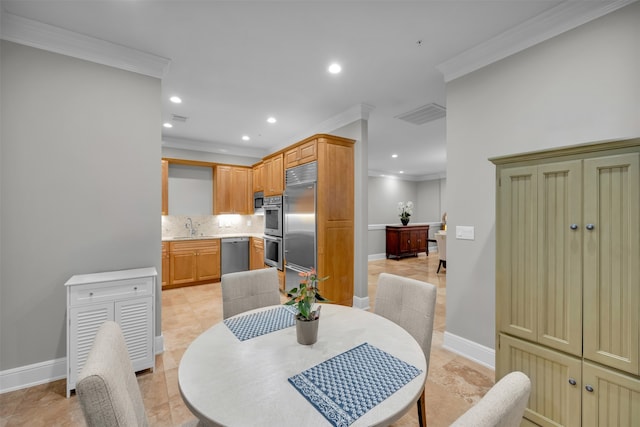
pixel 405 210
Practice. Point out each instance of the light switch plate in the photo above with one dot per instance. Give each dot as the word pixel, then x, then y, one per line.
pixel 465 232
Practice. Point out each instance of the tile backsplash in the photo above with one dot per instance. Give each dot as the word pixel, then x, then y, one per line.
pixel 211 225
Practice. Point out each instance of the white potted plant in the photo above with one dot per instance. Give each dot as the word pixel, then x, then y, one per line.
pixel 404 211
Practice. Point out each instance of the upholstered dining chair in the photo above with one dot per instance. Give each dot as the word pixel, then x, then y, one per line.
pixel 107 387
pixel 246 290
pixel 411 304
pixel 502 406
pixel 441 240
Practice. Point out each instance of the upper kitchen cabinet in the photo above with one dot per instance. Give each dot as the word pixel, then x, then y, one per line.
pixel 304 152
pixel 273 175
pixel 232 190
pixel 258 177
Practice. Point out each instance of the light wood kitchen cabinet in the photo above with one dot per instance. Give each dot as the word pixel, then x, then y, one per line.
pixel 256 255
pixel 166 264
pixel 258 177
pixel 568 279
pixel 273 175
pixel 406 240
pixel 194 262
pixel 301 153
pixel 231 190
pixel 335 217
pixel 165 187
pixel 126 297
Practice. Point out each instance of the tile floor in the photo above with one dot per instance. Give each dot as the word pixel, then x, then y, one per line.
pixel 453 384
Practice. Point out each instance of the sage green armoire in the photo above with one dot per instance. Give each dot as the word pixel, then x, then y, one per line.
pixel 568 281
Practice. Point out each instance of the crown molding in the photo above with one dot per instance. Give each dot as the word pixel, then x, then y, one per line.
pixel 406 177
pixel 36 34
pixel 557 20
pixel 211 147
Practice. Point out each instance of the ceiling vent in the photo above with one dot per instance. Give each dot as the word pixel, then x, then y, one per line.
pixel 177 118
pixel 424 114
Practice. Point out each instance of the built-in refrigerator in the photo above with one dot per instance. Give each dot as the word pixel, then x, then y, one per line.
pixel 299 207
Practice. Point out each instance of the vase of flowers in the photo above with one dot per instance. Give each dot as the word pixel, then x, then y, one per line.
pixel 304 298
pixel 404 211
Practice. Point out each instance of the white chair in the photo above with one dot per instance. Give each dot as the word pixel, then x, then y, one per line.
pixel 502 406
pixel 107 387
pixel 411 304
pixel 246 290
pixel 441 240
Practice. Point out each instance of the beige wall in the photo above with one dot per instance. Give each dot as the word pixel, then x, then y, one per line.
pixel 80 189
pixel 579 87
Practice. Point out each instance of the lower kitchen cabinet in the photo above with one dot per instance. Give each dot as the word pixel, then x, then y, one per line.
pixel 407 240
pixel 194 262
pixel 166 264
pixel 126 297
pixel 256 254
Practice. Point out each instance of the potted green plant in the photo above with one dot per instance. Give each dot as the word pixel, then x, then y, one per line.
pixel 304 298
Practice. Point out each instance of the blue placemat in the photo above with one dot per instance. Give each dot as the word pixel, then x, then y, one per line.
pixel 260 323
pixel 348 385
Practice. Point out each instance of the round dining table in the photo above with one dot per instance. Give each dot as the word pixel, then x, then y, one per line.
pixel 228 382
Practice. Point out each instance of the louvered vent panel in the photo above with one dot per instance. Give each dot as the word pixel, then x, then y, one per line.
pixel 133 320
pixel 88 324
pixel 424 114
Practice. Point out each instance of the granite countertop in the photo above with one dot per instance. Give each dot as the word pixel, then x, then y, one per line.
pixel 214 236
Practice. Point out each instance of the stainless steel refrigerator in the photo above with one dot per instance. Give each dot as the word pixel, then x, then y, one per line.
pixel 299 207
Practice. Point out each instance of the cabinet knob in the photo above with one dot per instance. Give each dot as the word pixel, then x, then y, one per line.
pixel 573 226
pixel 135 288
pixel 589 388
pixel 90 294
pixel 572 381
pixel 590 226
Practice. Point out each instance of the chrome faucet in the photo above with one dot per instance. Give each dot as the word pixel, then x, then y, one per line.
pixel 189 226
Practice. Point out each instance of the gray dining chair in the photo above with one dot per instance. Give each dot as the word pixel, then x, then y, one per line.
pixel 107 387
pixel 502 406
pixel 247 290
pixel 411 304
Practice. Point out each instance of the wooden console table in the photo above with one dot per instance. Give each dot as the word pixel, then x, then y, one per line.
pixel 407 240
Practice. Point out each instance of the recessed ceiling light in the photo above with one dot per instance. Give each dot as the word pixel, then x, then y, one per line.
pixel 245 137
pixel 271 120
pixel 335 68
pixel 168 125
pixel 175 100
pixel 394 156
pixel 401 171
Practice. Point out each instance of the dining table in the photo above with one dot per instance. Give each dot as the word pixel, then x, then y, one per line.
pixel 249 370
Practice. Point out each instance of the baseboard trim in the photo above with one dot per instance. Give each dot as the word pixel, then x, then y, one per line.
pixel 44 372
pixel 471 350
pixel 362 303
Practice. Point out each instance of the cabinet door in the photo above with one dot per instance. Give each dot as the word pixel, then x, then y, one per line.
pixel 240 192
pixel 559 256
pixel 405 242
pixel 614 399
pixel 209 262
pixel 84 323
pixel 135 318
pixel 256 258
pixel 183 266
pixel 166 264
pixel 222 190
pixel 554 400
pixel 258 177
pixel 611 261
pixel 517 269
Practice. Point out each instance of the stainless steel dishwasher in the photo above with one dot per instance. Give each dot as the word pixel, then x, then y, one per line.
pixel 235 254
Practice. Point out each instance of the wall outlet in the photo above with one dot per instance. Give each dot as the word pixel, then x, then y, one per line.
pixel 465 232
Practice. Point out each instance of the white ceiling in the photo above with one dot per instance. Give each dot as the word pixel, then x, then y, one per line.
pixel 234 63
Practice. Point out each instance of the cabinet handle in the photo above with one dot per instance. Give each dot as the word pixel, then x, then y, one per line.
pixel 590 226
pixel 135 288
pixel 589 388
pixel 573 226
pixel 90 294
pixel 572 381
